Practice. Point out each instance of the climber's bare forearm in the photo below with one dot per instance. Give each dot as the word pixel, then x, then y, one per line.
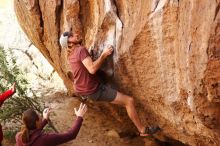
pixel 93 66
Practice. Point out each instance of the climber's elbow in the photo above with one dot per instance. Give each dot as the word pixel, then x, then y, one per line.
pixel 92 70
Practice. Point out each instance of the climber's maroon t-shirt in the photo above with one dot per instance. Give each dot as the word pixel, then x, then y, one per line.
pixel 84 82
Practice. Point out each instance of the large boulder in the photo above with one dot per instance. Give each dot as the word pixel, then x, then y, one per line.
pixel 166 55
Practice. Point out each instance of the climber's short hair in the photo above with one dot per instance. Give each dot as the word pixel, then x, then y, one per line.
pixel 64 39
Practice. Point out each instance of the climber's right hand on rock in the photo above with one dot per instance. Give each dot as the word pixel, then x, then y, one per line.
pixel 81 111
pixel 107 51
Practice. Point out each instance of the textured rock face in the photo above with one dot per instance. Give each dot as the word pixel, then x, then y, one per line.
pixel 167 55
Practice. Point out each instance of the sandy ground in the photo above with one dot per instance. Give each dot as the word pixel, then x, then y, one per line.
pixel 98 129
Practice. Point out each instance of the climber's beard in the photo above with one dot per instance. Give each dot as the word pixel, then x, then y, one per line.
pixel 78 41
pixel 75 44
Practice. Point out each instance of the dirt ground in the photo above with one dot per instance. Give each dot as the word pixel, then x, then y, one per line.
pixel 99 127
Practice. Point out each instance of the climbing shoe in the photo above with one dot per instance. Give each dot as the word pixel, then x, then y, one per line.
pixel 149 131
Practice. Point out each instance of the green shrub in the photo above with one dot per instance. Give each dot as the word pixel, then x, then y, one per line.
pixel 24 98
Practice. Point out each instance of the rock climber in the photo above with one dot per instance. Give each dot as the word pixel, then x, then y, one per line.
pixel 87 84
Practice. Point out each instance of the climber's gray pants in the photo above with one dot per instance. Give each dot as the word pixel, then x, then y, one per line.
pixel 104 93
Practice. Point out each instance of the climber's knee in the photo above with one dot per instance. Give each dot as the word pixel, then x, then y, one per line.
pixel 129 100
pixel 123 99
